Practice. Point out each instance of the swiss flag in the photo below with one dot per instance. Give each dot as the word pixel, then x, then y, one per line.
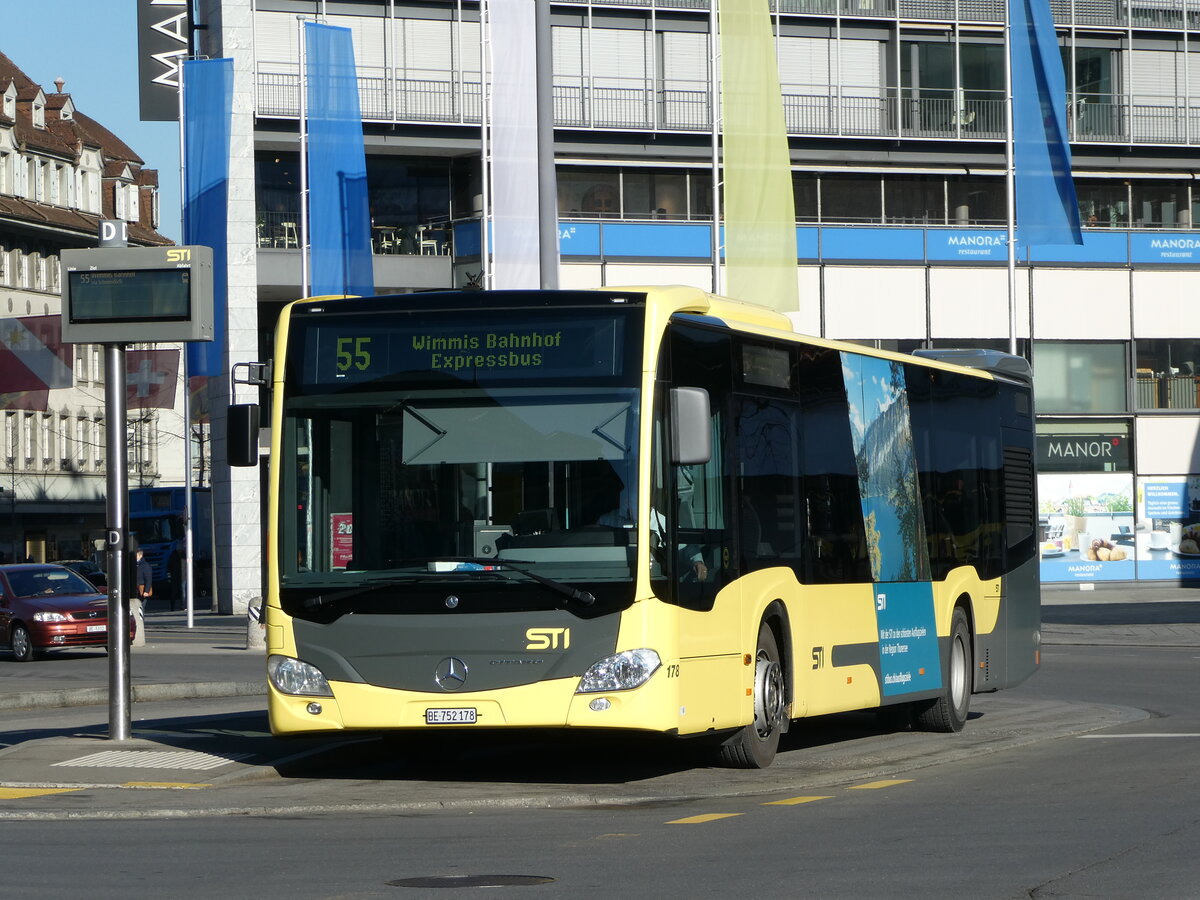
pixel 150 378
pixel 33 356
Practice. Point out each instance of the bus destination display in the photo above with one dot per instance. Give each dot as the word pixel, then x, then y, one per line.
pixel 352 352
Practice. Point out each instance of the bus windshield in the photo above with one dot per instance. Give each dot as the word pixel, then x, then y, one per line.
pixel 421 474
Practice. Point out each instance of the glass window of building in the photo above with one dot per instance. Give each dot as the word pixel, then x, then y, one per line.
pixel 1080 377
pixel 590 193
pixel 700 194
pixel 1094 105
pixel 976 201
pixel 927 84
pixel 915 199
pixel 1102 203
pixel 1167 374
pixel 981 102
pixel 1000 344
pixel 654 194
pixel 1160 204
pixel 805 189
pixel 408 191
pixel 848 198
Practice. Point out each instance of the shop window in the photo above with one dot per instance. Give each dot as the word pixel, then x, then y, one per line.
pixel 1168 374
pixel 1080 377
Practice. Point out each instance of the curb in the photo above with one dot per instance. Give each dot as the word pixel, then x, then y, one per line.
pixel 191 690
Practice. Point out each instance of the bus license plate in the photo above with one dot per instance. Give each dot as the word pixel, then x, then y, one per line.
pixel 463 716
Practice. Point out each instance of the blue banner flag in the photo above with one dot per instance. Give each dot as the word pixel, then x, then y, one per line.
pixel 207 112
pixel 339 215
pixel 1047 211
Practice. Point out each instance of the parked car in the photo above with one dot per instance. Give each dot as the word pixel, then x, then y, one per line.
pixel 47 607
pixel 87 569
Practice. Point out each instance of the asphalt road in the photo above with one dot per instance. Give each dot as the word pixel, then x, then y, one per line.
pixel 1079 783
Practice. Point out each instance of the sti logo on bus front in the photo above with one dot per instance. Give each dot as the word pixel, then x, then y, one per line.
pixel 548 638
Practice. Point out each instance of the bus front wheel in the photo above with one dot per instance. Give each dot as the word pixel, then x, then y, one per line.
pixel 753 746
pixel 948 713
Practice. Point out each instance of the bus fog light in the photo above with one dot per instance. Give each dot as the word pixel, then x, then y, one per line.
pixel 314 708
pixel 620 672
pixel 294 676
pixel 600 704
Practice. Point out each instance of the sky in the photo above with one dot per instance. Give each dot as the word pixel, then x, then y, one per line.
pixel 92 44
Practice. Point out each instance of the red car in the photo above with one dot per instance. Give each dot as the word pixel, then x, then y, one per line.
pixel 46 607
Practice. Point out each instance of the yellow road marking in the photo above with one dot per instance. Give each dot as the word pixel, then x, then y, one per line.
pixel 873 785
pixel 701 819
pixel 163 784
pixel 25 793
pixel 792 801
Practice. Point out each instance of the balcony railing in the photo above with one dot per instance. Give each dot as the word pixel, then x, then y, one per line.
pixel 636 104
pixel 1156 14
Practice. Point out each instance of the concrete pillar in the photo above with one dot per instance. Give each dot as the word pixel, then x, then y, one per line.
pixel 237 506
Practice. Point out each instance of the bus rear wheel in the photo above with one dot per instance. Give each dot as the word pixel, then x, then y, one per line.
pixel 948 713
pixel 754 746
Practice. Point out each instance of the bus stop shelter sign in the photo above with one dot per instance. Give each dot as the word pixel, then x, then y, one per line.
pixel 124 295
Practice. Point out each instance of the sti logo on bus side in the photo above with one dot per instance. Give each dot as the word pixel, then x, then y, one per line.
pixel 180 254
pixel 548 638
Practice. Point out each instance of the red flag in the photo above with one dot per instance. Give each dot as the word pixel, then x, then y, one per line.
pixel 150 378
pixel 198 391
pixel 36 401
pixel 33 356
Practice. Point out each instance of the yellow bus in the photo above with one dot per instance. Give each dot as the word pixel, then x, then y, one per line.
pixel 645 509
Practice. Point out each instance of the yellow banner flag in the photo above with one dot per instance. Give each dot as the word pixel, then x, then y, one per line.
pixel 760 218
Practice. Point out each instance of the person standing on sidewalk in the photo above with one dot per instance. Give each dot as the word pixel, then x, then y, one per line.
pixel 145 580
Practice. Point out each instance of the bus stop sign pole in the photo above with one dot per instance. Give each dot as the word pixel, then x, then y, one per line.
pixel 118 532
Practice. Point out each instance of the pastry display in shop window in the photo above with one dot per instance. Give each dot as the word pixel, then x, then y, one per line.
pixel 1105 551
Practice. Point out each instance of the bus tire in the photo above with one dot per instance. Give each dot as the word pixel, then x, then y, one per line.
pixel 754 746
pixel 948 713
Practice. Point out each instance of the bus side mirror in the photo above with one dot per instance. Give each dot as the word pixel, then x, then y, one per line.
pixel 241 434
pixel 691 427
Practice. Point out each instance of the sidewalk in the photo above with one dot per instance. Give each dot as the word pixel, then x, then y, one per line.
pixel 211 660
pixel 1121 614
pixel 208 660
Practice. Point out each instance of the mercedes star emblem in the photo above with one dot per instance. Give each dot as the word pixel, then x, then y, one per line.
pixel 450 674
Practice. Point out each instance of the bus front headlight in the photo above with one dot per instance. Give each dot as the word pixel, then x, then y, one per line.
pixel 620 672
pixel 294 676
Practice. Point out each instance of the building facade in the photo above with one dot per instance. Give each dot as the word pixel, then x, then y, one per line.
pixel 61 174
pixel 895 112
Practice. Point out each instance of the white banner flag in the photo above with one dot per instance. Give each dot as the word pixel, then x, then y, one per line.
pixel 514 195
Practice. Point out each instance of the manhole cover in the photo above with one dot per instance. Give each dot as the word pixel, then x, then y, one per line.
pixel 468 881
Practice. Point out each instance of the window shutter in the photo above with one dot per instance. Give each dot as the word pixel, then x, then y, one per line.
pixel 276 38
pixel 367 34
pixel 685 61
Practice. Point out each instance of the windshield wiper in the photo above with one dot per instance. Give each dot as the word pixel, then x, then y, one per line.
pixel 586 598
pixel 319 600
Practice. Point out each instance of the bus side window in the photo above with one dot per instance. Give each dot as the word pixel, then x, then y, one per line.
pixel 836 541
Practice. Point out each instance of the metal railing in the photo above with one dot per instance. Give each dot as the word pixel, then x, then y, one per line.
pixel 856 110
pixel 1157 14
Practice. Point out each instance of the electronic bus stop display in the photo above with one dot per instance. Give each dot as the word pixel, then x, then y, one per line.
pixel 137 294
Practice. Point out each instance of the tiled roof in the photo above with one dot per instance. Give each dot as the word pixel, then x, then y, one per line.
pixel 66 139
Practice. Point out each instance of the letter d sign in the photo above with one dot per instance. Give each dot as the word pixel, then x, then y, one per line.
pixel 114 233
